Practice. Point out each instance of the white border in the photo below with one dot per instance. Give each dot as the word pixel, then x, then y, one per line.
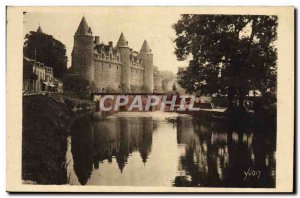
pixel 97 2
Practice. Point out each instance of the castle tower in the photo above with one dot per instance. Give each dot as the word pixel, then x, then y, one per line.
pixel 125 54
pixel 147 59
pixel 82 54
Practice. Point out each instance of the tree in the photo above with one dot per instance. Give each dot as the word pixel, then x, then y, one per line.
pixel 174 88
pixel 167 78
pixel 47 50
pixel 76 84
pixel 230 54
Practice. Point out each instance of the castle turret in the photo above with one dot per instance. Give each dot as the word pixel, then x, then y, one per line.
pixel 82 54
pixel 125 54
pixel 147 61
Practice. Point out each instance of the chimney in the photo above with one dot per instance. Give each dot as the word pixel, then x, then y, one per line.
pixel 97 40
pixel 110 43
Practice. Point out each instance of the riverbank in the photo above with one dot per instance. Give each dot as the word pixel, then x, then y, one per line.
pixel 263 119
pixel 46 125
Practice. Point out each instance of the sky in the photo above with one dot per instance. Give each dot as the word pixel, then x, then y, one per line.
pixel 136 24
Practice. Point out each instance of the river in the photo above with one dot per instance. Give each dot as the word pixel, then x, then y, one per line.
pixel 168 149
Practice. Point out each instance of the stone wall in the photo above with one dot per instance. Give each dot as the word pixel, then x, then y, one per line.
pixel 136 77
pixel 107 76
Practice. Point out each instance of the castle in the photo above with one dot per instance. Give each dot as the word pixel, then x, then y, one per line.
pixel 110 68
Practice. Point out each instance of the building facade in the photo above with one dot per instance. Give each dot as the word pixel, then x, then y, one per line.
pixel 110 68
pixel 44 80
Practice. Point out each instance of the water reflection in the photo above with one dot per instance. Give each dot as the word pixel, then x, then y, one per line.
pixel 114 137
pixel 217 155
pixel 167 149
pixel 82 148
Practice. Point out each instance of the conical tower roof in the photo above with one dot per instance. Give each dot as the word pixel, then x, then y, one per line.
pixel 145 48
pixel 122 41
pixel 83 28
pixel 39 30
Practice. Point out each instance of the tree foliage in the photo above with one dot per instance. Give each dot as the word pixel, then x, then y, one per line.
pixel 229 53
pixel 76 84
pixel 47 50
pixel 168 78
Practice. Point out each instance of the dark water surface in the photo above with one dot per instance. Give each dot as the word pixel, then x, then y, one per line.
pixel 169 149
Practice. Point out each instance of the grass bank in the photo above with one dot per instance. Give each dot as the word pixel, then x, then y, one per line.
pixel 46 126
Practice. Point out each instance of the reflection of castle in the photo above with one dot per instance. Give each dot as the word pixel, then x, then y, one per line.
pixel 112 138
pixel 113 68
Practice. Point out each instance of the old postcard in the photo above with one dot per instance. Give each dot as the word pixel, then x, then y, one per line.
pixel 150 99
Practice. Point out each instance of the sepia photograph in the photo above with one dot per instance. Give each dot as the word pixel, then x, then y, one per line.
pixel 151 99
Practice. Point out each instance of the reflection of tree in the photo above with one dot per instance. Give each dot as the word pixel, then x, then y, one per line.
pixel 93 142
pixel 82 147
pixel 217 155
pixel 265 158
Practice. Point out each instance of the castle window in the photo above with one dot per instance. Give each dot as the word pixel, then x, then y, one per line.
pixel 117 67
pixel 109 66
pixel 102 55
pixel 110 56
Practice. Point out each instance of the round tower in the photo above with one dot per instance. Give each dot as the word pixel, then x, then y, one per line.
pixel 147 61
pixel 83 49
pixel 125 56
